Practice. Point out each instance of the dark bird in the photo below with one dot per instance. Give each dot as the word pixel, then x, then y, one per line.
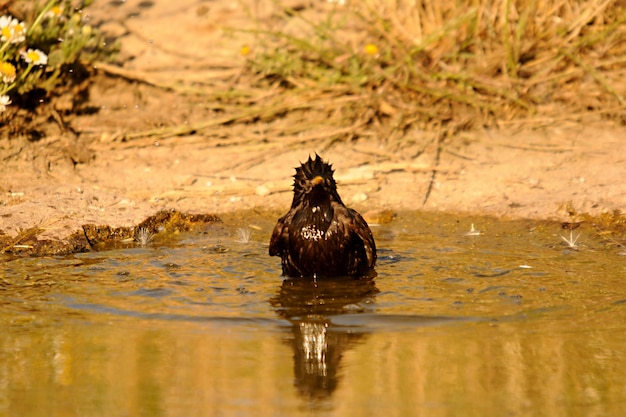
pixel 319 236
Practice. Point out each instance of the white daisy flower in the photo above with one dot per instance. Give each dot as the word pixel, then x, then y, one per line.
pixel 7 72
pixel 12 30
pixel 35 57
pixel 54 13
pixel 4 102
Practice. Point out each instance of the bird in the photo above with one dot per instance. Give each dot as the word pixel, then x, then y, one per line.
pixel 319 236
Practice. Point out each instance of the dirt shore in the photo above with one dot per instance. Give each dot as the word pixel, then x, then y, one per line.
pixel 64 180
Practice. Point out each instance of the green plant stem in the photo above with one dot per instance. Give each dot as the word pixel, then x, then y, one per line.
pixel 14 84
pixel 40 16
pixel 2 49
pixel 511 59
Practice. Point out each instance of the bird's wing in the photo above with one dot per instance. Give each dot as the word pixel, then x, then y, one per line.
pixel 279 238
pixel 365 234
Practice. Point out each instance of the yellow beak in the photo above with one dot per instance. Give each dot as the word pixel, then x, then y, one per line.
pixel 317 180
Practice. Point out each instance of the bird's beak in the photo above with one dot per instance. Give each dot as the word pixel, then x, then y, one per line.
pixel 317 180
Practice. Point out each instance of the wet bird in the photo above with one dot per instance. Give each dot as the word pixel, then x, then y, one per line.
pixel 319 236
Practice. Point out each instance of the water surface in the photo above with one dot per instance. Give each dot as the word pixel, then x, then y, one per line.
pixel 506 322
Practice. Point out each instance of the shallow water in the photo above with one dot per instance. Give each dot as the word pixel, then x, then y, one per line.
pixel 508 322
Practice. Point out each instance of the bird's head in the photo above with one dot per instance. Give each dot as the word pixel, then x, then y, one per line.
pixel 314 181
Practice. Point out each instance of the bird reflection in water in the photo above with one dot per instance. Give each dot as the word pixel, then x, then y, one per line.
pixel 310 306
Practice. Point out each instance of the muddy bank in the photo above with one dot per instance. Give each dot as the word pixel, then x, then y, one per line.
pixel 93 167
pixel 565 174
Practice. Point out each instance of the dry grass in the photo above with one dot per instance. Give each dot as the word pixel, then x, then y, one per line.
pixel 446 64
pixel 409 73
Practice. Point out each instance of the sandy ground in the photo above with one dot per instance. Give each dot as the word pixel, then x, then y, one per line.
pixel 64 181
